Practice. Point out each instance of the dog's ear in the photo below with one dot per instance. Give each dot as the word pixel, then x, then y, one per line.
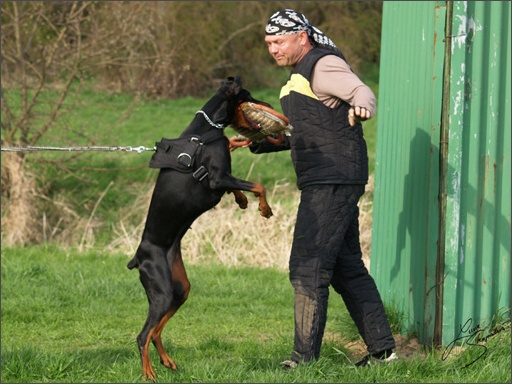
pixel 233 86
pixel 227 83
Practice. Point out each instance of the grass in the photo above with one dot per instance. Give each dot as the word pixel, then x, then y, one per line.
pixel 71 310
pixel 71 316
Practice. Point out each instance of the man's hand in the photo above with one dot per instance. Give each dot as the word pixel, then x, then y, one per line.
pixel 238 142
pixel 357 114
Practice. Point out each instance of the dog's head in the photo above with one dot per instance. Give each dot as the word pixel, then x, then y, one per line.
pixel 252 118
pixel 223 107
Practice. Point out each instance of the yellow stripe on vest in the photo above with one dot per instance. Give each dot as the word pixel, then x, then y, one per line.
pixel 299 84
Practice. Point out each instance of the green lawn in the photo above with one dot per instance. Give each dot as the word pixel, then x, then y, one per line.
pixel 73 317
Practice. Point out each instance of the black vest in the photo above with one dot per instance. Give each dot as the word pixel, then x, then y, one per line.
pixel 325 149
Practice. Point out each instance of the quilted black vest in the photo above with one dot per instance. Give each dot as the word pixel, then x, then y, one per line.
pixel 325 149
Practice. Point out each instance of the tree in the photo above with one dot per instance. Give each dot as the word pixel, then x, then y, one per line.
pixel 51 50
pixel 48 51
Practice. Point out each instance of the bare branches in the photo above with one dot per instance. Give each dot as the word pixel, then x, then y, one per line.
pixel 237 32
pixel 47 49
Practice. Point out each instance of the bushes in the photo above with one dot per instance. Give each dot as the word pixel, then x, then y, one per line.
pixel 53 51
pixel 169 49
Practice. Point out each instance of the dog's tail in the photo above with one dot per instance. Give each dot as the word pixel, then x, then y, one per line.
pixel 133 263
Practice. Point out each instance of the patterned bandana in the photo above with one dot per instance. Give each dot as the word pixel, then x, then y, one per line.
pixel 288 22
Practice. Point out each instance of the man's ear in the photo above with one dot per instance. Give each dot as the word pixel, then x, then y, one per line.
pixel 304 38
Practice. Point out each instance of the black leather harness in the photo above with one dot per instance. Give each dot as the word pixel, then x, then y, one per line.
pixel 183 154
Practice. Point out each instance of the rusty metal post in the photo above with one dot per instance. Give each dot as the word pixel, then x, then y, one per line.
pixel 443 170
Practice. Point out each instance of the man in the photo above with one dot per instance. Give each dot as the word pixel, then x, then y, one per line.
pixel 325 102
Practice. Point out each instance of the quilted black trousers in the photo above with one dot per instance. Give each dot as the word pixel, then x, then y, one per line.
pixel 326 251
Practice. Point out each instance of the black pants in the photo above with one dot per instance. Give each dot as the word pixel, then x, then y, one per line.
pixel 326 251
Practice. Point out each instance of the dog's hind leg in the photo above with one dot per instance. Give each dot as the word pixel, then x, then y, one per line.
pixel 180 288
pixel 155 276
pixel 156 337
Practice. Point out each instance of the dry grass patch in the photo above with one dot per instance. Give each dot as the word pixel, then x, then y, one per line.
pixel 235 237
pixel 224 235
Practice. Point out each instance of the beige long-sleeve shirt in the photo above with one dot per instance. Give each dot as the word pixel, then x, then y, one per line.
pixel 333 80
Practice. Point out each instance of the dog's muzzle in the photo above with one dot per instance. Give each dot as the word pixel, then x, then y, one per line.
pixel 257 121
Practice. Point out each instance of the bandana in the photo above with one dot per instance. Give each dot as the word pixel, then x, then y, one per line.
pixel 288 22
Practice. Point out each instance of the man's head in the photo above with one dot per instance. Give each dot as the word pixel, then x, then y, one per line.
pixel 288 49
pixel 289 36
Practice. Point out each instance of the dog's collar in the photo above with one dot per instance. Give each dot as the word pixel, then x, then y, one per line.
pixel 219 126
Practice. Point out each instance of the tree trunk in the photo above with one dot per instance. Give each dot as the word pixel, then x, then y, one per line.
pixel 19 224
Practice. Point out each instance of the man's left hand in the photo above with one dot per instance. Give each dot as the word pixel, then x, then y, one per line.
pixel 238 142
pixel 357 114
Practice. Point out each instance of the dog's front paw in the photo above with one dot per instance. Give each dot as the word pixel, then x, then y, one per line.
pixel 240 199
pixel 266 211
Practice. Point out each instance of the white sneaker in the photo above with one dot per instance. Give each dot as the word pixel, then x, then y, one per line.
pixel 369 360
pixel 289 364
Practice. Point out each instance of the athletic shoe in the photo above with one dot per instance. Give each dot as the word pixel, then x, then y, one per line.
pixel 376 359
pixel 289 364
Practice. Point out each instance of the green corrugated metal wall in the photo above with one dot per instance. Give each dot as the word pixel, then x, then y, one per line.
pixel 473 265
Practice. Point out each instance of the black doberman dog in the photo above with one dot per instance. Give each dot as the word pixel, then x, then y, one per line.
pixel 178 199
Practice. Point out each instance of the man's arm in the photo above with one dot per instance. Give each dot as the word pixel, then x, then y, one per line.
pixel 333 80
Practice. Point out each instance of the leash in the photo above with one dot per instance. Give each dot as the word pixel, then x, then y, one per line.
pixel 139 149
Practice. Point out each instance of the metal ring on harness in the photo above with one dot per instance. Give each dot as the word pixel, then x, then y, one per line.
pixel 196 141
pixel 184 161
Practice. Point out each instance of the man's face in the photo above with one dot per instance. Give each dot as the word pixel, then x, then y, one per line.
pixel 288 50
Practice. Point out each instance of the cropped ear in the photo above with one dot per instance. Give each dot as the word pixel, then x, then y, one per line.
pixel 227 83
pixel 231 87
pixel 236 85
